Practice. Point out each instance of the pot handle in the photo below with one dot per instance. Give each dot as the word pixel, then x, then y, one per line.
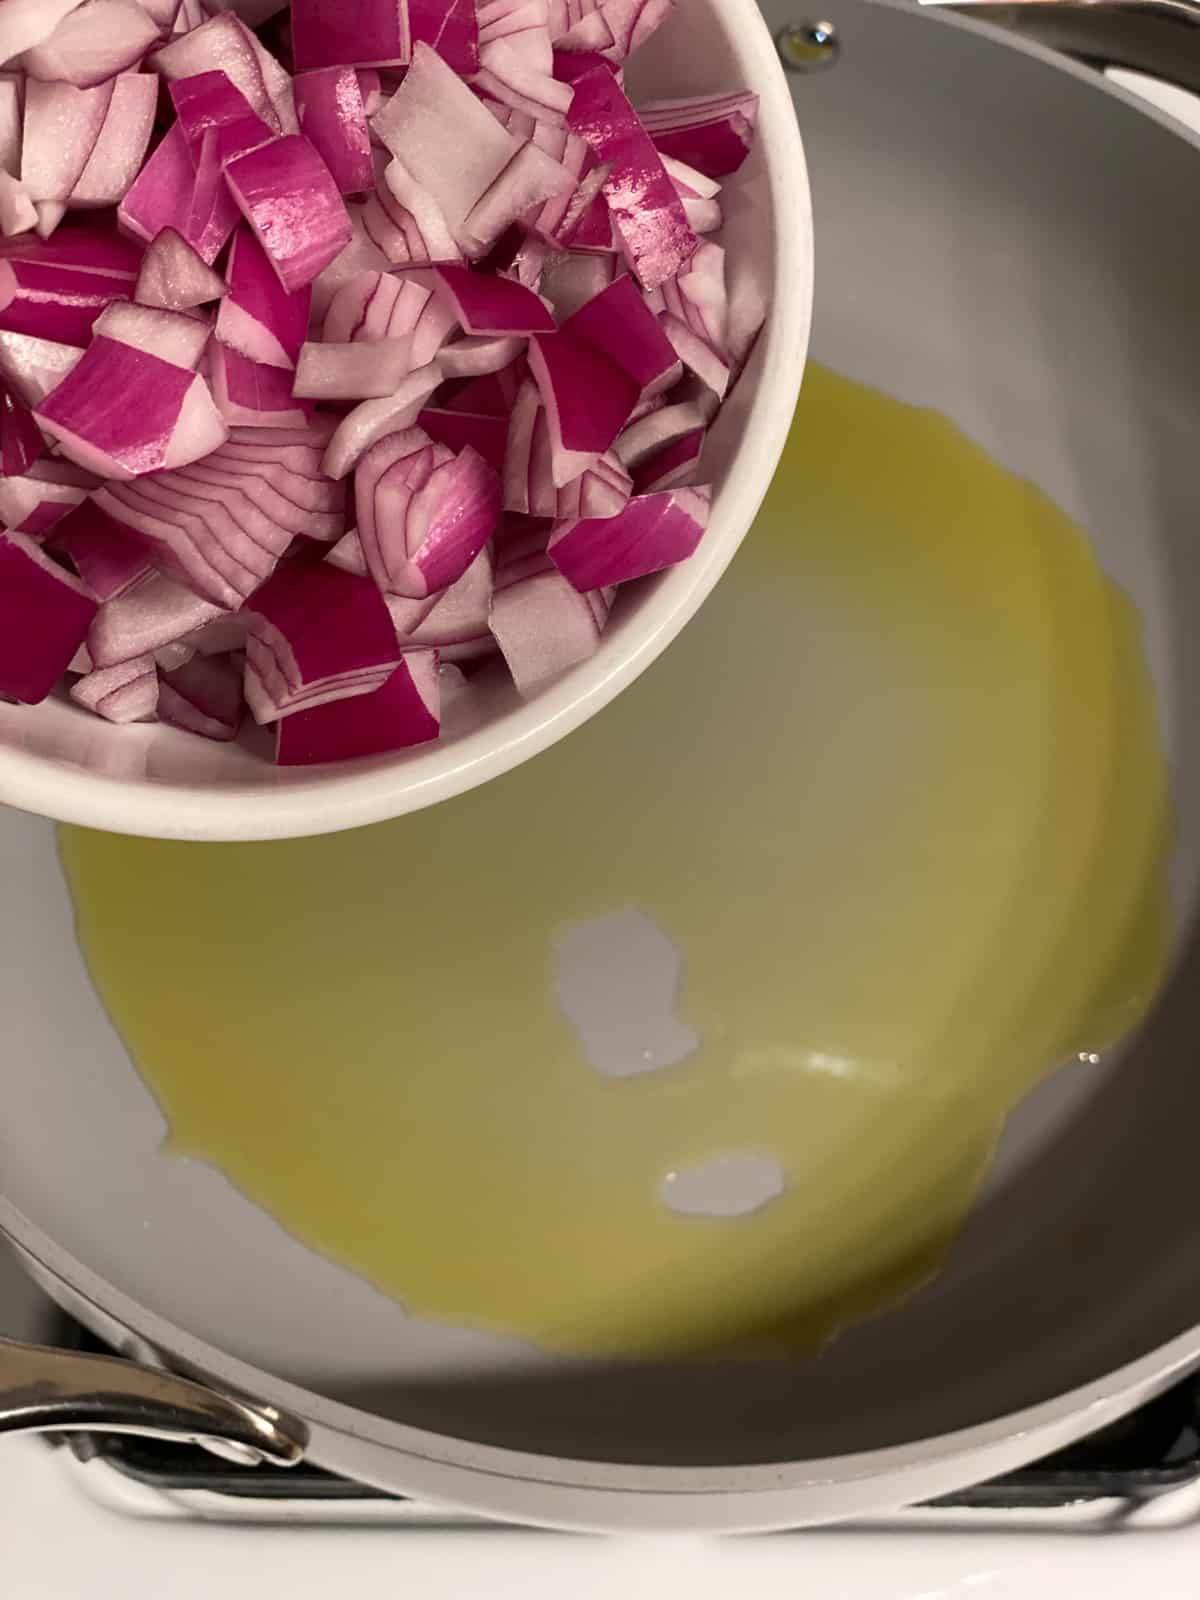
pixel 44 1390
pixel 1157 37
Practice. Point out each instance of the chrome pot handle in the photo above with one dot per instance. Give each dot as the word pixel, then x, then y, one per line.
pixel 1158 37
pixel 47 1391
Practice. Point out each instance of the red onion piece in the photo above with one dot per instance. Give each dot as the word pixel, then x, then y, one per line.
pixel 571 280
pixel 444 137
pixel 352 371
pixel 487 435
pixel 174 277
pixel 121 145
pixel 491 305
pixel 406 221
pixel 601 490
pixel 180 545
pixel 21 441
pixel 690 183
pixel 53 302
pixel 225 44
pixel 451 28
pixel 698 356
pixel 507 76
pixel 543 627
pixel 45 615
pixel 450 519
pixel 96 41
pixel 476 358
pixel 645 209
pixel 91 246
pixel 109 556
pixel 403 712
pixel 251 393
pixel 202 696
pixel 614 28
pixel 456 625
pixel 370 33
pixel 62 125
pixel 713 133
pixel 286 194
pixel 672 466
pixel 618 323
pixel 127 692
pixel 210 102
pixel 703 216
pixel 524 24
pixel 25 23
pixel 317 634
pixel 329 104
pixel 594 230
pixel 170 335
pixel 160 196
pixel 375 419
pixel 587 399
pixel 153 613
pixel 493 395
pixel 530 179
pixel 33 367
pixel 41 497
pixel 375 305
pixel 259 317
pixel 89 414
pixel 18 214
pixel 652 532
pixel 661 427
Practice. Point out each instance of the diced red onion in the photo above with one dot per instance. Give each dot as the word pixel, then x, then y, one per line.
pixel 90 415
pixel 17 211
pixel 62 125
pixel 287 196
pixel 403 712
pixel 251 393
pixel 375 305
pixel 21 441
pixel 259 317
pixel 329 104
pixel 543 627
pixel 170 335
pixel 652 532
pixel 672 466
pixel 594 230
pixel 416 213
pixel 108 556
pixel 613 28
pixel 698 356
pixel 710 132
pixel 202 696
pixel 507 76
pixel 53 302
pixel 618 323
pixel 45 614
pixel 24 24
pixel 530 179
pixel 225 44
pixel 476 358
pixel 457 623
pixel 209 102
pixel 91 246
pixel 457 429
pixel 127 692
pixel 587 398
pixel 352 371
pixel 646 211
pixel 121 144
pixel 369 33
pixel 161 195
pixel 485 305
pixel 703 216
pixel 318 634
pixel 375 419
pixel 601 490
pixel 33 367
pixel 94 43
pixel 153 613
pixel 571 280
pixel 661 427
pixel 41 497
pixel 690 184
pixel 174 277
pixel 451 28
pixel 188 541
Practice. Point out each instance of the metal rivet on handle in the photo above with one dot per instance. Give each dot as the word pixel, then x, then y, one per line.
pixel 807 46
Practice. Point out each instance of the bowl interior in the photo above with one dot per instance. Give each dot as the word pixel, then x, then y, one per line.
pixel 62 762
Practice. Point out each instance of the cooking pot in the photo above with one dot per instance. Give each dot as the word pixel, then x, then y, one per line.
pixel 1006 237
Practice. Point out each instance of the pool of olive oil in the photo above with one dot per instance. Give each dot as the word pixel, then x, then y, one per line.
pixel 874 806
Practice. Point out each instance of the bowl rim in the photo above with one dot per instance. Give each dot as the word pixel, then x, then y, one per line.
pixel 340 798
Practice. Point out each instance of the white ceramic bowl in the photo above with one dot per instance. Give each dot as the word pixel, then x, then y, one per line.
pixel 149 779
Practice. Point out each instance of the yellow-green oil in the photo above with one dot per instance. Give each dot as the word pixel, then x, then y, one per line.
pixel 898 798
